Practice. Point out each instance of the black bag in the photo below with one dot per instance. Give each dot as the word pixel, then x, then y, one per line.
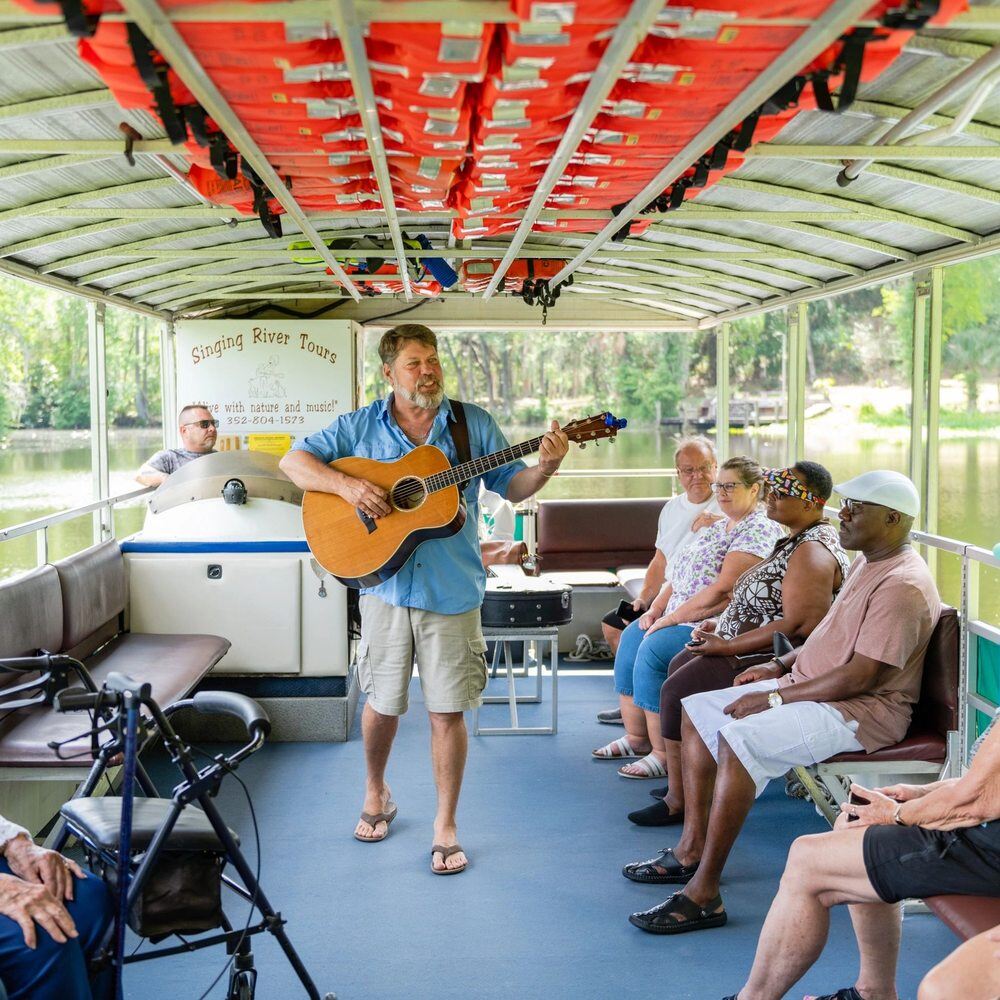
pixel 183 894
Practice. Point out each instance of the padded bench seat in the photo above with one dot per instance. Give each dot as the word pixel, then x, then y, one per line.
pixel 78 606
pixel 967 916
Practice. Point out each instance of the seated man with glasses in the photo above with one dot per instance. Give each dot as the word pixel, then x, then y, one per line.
pixel 198 431
pixel 850 687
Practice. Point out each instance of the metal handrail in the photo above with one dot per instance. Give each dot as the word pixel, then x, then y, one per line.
pixel 40 523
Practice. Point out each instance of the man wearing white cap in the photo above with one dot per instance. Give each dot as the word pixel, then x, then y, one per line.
pixel 850 687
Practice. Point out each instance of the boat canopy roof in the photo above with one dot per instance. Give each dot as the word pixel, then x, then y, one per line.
pixel 680 166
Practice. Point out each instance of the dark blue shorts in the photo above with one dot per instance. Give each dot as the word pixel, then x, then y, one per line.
pixel 908 862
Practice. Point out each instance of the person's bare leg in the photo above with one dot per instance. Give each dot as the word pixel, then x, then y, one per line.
pixel 675 775
pixel 734 795
pixel 822 871
pixel 699 770
pixel 635 724
pixel 449 746
pixel 971 972
pixel 651 725
pixel 378 731
pixel 878 928
pixel 612 636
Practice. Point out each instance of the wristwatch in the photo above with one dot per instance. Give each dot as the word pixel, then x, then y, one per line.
pixel 774 699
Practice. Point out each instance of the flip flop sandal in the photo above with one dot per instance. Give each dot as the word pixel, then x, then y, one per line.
pixel 673 872
pixel 648 765
pixel 372 818
pixel 849 993
pixel 658 814
pixel 446 852
pixel 616 750
pixel 661 920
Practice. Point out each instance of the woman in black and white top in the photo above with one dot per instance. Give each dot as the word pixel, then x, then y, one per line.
pixel 789 592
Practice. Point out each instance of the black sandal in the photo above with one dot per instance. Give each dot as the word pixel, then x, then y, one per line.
pixel 673 873
pixel 661 920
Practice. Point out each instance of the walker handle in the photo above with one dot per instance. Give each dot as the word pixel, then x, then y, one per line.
pixel 239 705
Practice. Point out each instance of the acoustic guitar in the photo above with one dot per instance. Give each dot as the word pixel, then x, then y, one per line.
pixel 423 490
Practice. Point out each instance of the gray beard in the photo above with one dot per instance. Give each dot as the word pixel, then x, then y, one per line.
pixel 421 399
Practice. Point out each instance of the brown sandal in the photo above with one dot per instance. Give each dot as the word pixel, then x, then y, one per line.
pixel 446 852
pixel 372 818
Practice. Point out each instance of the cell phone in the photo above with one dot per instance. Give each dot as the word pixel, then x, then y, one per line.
pixel 856 800
pixel 626 612
pixel 696 642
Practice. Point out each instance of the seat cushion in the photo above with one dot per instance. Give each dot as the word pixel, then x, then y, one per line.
pixel 967 916
pixel 94 590
pixel 172 664
pixel 32 614
pixel 920 744
pixel 98 822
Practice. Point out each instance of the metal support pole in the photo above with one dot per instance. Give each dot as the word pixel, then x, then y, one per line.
pixel 168 385
pixel 918 396
pixel 932 465
pixel 722 393
pixel 798 332
pixel 99 465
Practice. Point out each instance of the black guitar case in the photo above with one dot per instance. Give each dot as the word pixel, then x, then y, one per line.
pixel 526 602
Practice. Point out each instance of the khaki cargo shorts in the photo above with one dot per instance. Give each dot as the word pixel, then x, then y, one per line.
pixel 449 650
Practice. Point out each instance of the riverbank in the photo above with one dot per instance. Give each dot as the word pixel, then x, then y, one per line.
pixel 47 439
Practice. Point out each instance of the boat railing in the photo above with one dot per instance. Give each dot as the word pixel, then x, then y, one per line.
pixel 104 522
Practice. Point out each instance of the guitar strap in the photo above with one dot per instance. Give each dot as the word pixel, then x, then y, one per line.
pixel 460 436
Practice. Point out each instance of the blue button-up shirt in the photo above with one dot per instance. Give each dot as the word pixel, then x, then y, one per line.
pixel 445 575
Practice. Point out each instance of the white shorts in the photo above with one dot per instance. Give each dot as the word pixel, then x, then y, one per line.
pixel 770 742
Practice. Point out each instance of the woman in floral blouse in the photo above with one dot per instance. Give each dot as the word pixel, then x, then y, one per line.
pixel 789 592
pixel 700 585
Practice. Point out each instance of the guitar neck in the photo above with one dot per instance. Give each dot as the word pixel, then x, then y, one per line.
pixel 477 466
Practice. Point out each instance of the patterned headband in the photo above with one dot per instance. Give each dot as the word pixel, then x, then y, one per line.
pixel 783 481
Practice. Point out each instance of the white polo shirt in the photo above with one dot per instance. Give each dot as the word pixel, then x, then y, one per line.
pixel 673 530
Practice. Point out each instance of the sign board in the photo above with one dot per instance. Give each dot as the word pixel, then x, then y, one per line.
pixel 266 377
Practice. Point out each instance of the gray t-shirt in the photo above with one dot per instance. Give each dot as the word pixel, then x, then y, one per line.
pixel 171 459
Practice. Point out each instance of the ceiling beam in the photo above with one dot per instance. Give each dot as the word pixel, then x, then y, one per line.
pixel 891 112
pixel 61 103
pixel 871 212
pixel 858 151
pixel 135 187
pixel 32 167
pixel 824 31
pixel 352 41
pixel 922 179
pixel 164 36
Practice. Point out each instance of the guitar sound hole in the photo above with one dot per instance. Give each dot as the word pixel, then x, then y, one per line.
pixel 408 493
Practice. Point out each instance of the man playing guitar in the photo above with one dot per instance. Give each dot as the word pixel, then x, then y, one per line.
pixel 430 608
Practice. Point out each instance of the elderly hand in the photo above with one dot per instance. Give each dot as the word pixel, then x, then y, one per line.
pixel 367 497
pixel 37 864
pixel 879 810
pixel 553 449
pixel 763 672
pixel 903 793
pixel 704 520
pixel 707 644
pixel 27 904
pixel 748 704
pixel 665 622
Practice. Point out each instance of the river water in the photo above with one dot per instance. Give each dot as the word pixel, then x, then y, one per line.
pixel 49 471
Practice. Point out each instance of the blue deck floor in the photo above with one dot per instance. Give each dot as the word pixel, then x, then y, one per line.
pixel 542 910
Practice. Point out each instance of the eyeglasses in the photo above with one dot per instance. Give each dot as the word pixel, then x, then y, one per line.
pixel 690 470
pixel 854 507
pixel 725 488
pixel 783 483
pixel 203 424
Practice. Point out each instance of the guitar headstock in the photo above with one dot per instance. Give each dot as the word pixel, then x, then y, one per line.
pixel 601 425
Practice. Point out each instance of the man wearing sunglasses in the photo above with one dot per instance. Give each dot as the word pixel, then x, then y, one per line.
pixel 198 431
